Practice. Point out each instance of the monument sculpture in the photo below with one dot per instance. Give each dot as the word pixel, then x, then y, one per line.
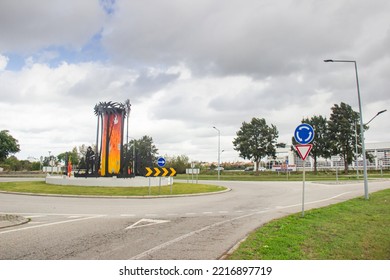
pixel 108 159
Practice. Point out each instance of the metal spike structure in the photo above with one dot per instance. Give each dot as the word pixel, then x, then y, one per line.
pixel 109 152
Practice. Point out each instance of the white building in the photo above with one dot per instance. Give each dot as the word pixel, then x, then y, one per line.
pixel 380 152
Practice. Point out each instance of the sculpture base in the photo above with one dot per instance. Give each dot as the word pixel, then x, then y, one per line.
pixel 108 181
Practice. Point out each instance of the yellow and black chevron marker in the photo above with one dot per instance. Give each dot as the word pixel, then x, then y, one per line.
pixel 160 172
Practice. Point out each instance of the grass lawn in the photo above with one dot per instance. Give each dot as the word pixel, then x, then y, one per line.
pixel 42 187
pixel 292 176
pixel 353 230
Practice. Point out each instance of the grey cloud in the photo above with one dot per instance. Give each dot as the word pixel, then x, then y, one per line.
pixel 150 83
pixel 27 26
pixel 258 38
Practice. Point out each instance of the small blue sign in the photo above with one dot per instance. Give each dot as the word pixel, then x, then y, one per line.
pixel 161 162
pixel 304 133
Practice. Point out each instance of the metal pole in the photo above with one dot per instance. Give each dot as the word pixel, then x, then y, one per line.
pixel 303 188
pixel 361 125
pixel 51 167
pixel 380 112
pixel 219 152
pixel 356 156
pixel 362 136
pixel 134 157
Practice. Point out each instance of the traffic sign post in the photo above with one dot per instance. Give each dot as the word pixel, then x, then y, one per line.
pixel 161 162
pixel 160 172
pixel 304 134
pixel 304 150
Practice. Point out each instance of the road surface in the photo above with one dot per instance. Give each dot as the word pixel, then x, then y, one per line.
pixel 193 227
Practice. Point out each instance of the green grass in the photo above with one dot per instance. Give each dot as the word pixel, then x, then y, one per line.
pixel 293 176
pixel 354 230
pixel 42 187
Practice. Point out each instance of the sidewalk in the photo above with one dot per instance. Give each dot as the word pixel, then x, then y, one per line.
pixel 9 220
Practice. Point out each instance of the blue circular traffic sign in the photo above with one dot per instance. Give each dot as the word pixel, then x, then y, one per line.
pixel 161 162
pixel 304 133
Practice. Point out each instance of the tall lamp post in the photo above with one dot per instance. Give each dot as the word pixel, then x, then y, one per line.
pixel 361 124
pixel 219 152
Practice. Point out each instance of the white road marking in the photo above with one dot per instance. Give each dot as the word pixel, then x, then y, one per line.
pixel 166 244
pixel 52 224
pixel 312 202
pixel 35 216
pixel 146 222
pixel 182 237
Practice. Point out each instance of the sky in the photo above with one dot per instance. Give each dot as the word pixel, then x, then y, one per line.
pixel 187 66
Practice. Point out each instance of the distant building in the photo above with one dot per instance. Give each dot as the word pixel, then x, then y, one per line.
pixel 380 152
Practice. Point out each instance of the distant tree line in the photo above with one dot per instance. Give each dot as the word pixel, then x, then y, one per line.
pixel 255 140
pixel 338 135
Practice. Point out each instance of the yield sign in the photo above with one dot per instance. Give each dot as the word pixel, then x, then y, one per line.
pixel 304 150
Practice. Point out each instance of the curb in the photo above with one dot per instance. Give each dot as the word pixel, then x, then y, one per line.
pixel 10 220
pixel 116 197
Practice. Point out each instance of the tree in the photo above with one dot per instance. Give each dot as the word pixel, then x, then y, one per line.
pixel 342 134
pixel 256 140
pixel 321 144
pixel 8 145
pixel 145 154
pixel 179 163
pixel 74 156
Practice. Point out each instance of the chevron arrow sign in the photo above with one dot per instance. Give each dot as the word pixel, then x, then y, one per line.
pixel 160 172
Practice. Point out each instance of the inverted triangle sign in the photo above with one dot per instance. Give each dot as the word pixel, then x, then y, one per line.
pixel 304 150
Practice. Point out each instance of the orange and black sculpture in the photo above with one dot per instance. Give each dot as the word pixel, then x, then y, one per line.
pixel 109 153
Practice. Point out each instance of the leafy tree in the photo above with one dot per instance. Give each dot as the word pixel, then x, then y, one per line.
pixel 342 133
pixel 74 155
pixel 8 145
pixel 145 154
pixel 256 140
pixel 13 163
pixel 179 163
pixel 321 144
pixel 36 166
pixel 281 145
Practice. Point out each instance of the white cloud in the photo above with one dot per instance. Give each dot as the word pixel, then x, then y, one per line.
pixel 187 66
pixel 3 62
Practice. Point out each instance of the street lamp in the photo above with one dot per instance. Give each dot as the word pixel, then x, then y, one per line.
pixel 219 152
pixel 361 124
pixel 377 114
pixel 356 141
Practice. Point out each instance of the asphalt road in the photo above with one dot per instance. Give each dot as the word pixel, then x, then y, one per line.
pixel 198 227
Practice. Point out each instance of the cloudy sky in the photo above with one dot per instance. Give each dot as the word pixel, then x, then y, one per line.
pixel 187 66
